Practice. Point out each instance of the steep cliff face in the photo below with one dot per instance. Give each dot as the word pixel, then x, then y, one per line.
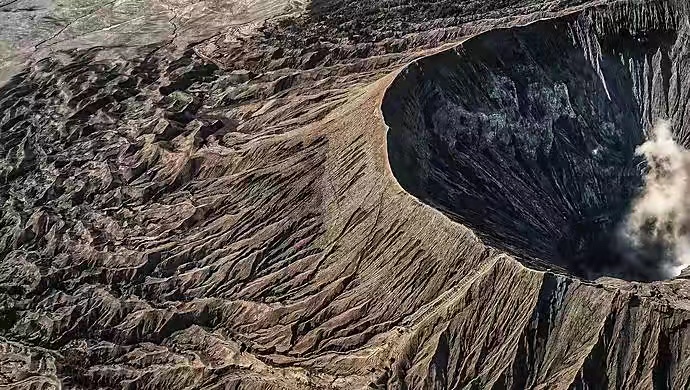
pixel 241 213
pixel 528 135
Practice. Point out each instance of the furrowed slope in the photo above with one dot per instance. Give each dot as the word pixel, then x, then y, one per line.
pixel 226 216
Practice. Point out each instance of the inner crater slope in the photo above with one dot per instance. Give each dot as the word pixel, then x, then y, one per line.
pixel 527 135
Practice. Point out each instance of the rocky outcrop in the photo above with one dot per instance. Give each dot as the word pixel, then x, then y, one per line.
pixel 232 215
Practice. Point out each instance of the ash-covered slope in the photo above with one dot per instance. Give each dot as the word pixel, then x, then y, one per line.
pixel 225 216
pixel 528 135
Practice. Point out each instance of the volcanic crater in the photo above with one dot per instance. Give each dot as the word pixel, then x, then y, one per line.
pixel 527 135
pixel 197 196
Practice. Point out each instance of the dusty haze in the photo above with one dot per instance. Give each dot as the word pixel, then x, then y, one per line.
pixel 657 224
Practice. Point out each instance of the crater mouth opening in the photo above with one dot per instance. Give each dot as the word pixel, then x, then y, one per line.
pixel 528 135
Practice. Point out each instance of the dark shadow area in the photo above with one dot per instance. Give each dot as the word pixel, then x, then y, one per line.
pixel 528 137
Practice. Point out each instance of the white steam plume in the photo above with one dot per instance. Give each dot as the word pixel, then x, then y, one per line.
pixel 657 226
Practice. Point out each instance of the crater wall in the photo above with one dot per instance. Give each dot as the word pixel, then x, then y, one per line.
pixel 528 135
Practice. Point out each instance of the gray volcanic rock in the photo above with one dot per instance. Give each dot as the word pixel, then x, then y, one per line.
pixel 528 135
pixel 251 209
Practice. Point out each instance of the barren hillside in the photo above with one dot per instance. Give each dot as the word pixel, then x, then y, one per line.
pixel 335 194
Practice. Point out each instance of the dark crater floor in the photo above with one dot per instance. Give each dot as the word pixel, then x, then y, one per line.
pixel 528 135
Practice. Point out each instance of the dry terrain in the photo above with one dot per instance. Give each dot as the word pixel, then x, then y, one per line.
pixel 335 194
